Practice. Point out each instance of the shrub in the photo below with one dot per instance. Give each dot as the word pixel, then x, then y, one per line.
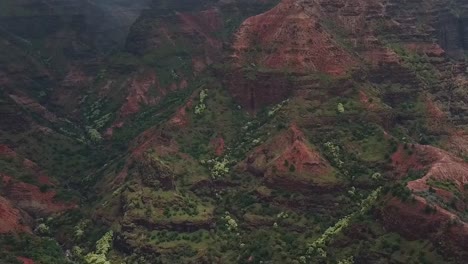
pixel 42 229
pixel 103 246
pixel 340 108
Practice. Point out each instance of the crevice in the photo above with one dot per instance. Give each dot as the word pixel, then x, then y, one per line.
pixel 252 98
pixel 462 34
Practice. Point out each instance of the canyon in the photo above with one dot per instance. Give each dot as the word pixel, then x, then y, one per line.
pixel 233 131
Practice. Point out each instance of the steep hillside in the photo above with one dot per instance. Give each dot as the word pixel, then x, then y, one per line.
pixel 233 131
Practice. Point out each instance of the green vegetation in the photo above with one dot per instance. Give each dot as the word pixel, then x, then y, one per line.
pixel 178 182
pixel 421 65
pixel 42 250
pixel 340 108
pixel 103 246
pixel 444 185
pixel 201 107
pixel 317 248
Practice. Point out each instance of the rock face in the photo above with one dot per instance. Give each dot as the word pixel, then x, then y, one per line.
pixel 31 199
pixel 11 219
pixel 138 90
pixel 436 211
pixel 102 24
pixel 154 173
pixel 290 37
pixel 288 161
pixel 445 23
pixel 452 29
pixel 255 90
pixel 446 168
pixel 415 221
pixel 20 202
pixel 365 76
pixel 332 37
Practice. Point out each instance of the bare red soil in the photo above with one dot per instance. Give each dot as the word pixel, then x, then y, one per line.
pixel 138 90
pixel 31 199
pixel 421 219
pixel 180 119
pixel 289 161
pixel 25 260
pixel 218 146
pixel 11 218
pixel 290 37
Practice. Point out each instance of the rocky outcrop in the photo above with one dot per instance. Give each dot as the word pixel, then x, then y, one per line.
pixel 154 173
pixel 288 161
pixel 426 215
pixel 420 220
pixel 138 90
pixel 11 219
pixel 452 29
pixel 31 199
pixel 254 90
pixel 291 37
pixel 21 202
pixel 446 168
pixel 181 118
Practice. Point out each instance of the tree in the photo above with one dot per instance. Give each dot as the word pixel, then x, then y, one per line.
pixel 340 108
pixel 94 135
pixel 103 246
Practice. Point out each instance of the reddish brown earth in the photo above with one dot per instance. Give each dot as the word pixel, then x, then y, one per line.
pixel 25 260
pixel 137 94
pixel 180 118
pixel 143 89
pixel 154 139
pixel 110 130
pixel 306 37
pixel 141 144
pixel 19 200
pixel 404 160
pixel 412 220
pixel 71 87
pixel 289 161
pixel 438 121
pixel 203 25
pixel 434 112
pixel 365 100
pixel 457 143
pixel 429 49
pixel 218 146
pixel 76 77
pixel 29 198
pixel 415 219
pixel 440 166
pixel 29 165
pixel 291 37
pixel 6 151
pixel 445 168
pixel 266 88
pixel 11 219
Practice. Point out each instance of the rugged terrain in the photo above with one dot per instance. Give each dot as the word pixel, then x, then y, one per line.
pixel 233 131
